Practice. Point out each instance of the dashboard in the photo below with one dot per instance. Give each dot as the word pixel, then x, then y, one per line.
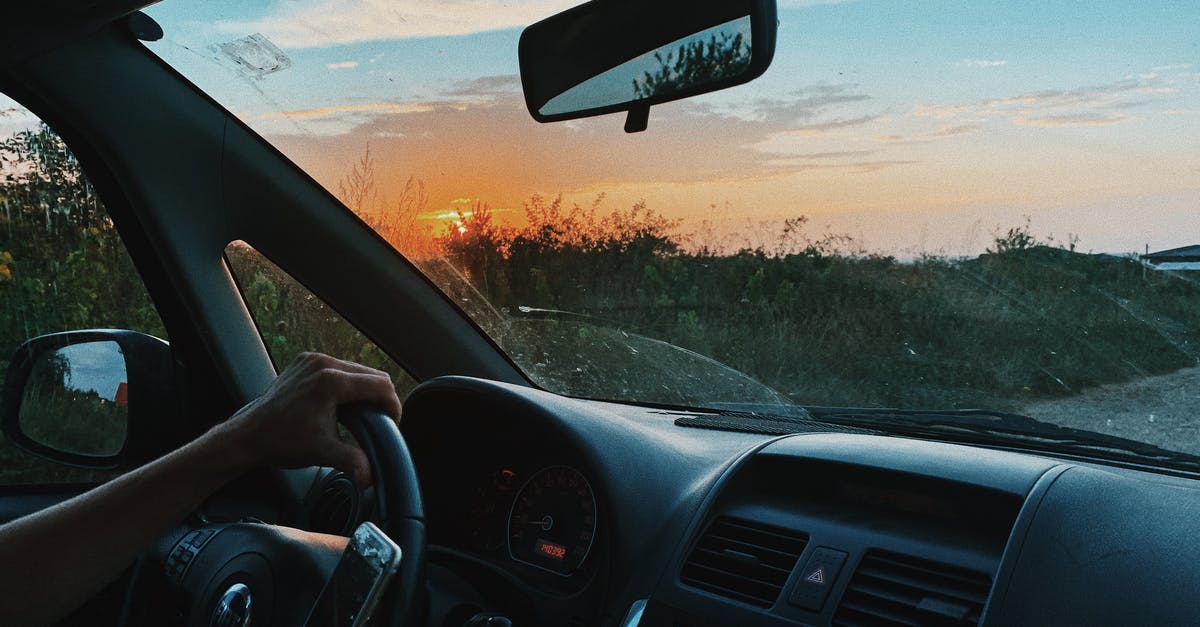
pixel 555 511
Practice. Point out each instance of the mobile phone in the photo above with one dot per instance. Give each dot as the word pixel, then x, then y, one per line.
pixel 358 580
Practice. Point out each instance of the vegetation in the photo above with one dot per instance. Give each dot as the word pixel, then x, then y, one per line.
pixel 620 304
pixel 292 320
pixel 821 326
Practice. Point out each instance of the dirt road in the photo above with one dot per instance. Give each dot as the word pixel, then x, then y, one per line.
pixel 1163 410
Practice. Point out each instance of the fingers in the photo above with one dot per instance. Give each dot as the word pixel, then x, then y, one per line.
pixel 349 458
pixel 354 387
pixel 350 382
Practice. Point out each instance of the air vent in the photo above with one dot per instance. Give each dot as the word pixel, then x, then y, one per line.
pixel 890 589
pixel 335 508
pixel 745 561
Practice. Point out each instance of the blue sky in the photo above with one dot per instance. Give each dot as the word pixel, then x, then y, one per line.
pixel 917 126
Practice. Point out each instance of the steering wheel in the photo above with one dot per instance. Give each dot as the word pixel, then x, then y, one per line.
pixel 398 510
pixel 236 574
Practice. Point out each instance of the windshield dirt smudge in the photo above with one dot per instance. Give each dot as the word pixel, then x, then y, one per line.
pixel 254 55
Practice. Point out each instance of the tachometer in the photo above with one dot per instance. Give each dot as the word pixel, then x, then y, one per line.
pixel 553 520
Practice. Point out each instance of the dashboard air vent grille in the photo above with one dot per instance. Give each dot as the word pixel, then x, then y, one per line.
pixel 891 589
pixel 742 560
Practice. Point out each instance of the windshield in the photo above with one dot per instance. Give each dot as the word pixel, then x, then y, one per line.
pixel 939 204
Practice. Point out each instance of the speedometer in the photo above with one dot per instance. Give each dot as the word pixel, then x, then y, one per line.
pixel 553 520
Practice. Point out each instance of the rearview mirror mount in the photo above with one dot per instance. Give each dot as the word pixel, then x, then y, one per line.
pixel 608 56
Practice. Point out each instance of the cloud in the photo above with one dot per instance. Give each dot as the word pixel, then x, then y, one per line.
pixel 942 133
pixel 487 86
pixel 1094 105
pixel 338 120
pixel 821 128
pixel 1172 68
pixel 981 63
pixel 801 104
pixel 1074 119
pixel 342 65
pixel 344 118
pixel 371 108
pixel 858 167
pixel 843 154
pixel 319 23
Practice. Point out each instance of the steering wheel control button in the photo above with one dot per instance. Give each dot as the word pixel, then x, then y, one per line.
pixel 178 561
pixel 234 608
pixel 200 536
pixel 817 577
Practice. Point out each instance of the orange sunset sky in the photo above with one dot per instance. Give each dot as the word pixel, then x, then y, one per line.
pixel 914 127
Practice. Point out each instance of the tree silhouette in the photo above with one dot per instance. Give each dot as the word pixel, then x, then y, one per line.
pixel 721 57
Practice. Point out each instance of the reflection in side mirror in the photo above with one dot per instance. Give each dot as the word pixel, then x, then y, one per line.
pixel 607 56
pixel 76 400
pixel 102 399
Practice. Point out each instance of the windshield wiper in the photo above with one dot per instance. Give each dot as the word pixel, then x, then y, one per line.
pixel 969 426
pixel 991 427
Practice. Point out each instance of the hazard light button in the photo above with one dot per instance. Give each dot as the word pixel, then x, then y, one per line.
pixel 817 577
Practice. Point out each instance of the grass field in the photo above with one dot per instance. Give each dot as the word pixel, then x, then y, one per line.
pixel 618 305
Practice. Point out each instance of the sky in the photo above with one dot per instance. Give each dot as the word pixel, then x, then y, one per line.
pixel 915 127
pixel 95 367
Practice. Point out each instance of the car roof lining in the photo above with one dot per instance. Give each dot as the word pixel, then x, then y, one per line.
pixel 39 26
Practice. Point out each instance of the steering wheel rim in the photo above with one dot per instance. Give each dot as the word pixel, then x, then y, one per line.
pixel 399 510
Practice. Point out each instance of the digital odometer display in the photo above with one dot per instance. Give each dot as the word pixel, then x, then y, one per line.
pixel 553 520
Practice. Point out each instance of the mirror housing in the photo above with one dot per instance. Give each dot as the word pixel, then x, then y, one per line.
pixel 145 397
pixel 607 56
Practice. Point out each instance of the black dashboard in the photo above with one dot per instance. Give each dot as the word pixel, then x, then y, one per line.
pixel 556 511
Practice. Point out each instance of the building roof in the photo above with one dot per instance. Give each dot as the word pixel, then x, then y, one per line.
pixel 1185 253
pixel 1177 265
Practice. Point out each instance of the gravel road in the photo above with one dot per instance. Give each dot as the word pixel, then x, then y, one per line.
pixel 1163 410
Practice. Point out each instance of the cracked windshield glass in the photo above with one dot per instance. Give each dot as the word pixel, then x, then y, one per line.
pixel 938 205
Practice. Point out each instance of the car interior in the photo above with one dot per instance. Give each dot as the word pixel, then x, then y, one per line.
pixel 512 504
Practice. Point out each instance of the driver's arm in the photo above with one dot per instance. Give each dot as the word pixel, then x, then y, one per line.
pixel 54 560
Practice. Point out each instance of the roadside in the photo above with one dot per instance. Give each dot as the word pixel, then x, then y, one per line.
pixel 1162 410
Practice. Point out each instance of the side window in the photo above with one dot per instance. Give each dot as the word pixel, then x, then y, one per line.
pixel 292 320
pixel 62 265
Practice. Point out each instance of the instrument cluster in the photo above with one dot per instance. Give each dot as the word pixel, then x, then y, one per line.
pixel 541 516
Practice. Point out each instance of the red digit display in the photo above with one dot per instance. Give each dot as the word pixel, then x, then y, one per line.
pixel 552 550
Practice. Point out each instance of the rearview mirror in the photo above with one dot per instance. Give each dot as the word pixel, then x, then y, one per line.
pixel 624 55
pixel 101 399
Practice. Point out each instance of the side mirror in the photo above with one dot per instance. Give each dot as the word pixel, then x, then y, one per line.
pixel 90 399
pixel 628 55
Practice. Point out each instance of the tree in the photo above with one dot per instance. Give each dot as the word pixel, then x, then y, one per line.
pixel 699 62
pixel 62 265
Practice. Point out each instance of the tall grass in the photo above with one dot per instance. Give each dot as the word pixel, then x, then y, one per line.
pixel 823 327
